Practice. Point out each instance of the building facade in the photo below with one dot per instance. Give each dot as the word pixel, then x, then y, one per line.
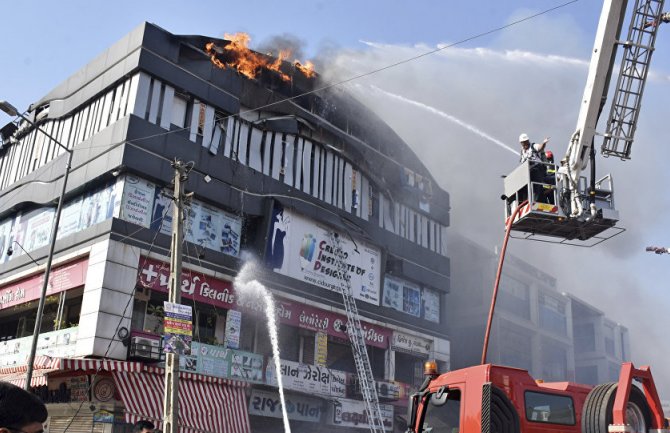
pixel 552 334
pixel 275 189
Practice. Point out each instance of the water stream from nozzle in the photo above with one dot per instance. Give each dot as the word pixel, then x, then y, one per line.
pixel 248 288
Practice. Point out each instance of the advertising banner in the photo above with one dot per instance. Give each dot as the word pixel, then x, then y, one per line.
pixel 223 362
pixel 351 413
pixel 411 344
pixel 70 217
pixel 298 407
pixel 57 344
pixel 177 328
pixel 306 250
pixel 233 326
pixel 392 296
pixel 431 305
pixel 402 295
pixel 138 200
pixel 155 274
pixel 62 278
pixel 309 379
pixel 38 229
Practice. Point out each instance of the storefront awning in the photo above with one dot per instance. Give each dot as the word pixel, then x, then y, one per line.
pixel 206 403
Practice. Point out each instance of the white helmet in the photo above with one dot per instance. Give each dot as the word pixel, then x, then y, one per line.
pixel 523 137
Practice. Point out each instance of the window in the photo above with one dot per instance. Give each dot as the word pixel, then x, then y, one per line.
pixel 552 314
pixel 443 413
pixel 514 297
pixel 585 338
pixel 340 356
pixel 549 408
pixel 408 369
pixel 554 361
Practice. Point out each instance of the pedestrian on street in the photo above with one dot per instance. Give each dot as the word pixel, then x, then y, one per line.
pixel 20 410
pixel 144 426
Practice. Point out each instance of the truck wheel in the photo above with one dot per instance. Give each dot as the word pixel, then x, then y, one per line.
pixel 597 413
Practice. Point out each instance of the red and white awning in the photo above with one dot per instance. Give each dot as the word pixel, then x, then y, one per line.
pixel 206 403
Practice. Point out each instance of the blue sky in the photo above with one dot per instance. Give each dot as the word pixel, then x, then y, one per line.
pixel 527 78
pixel 51 40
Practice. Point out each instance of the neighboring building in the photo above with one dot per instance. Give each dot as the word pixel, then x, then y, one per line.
pixel 277 182
pixel 601 345
pixel 554 335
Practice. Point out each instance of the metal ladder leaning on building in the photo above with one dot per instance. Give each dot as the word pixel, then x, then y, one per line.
pixel 355 332
pixel 638 48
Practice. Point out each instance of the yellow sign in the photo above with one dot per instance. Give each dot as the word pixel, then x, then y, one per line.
pixel 321 349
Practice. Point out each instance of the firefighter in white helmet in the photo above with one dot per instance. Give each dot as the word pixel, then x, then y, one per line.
pixel 533 152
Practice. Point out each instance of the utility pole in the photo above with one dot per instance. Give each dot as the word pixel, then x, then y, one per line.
pixel 171 399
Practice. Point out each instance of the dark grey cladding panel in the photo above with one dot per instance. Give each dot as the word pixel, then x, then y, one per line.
pixel 186 76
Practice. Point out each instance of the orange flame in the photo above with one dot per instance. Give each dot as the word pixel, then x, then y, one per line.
pixel 249 63
pixel 307 69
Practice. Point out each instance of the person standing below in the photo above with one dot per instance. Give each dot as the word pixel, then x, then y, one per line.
pixel 144 426
pixel 20 411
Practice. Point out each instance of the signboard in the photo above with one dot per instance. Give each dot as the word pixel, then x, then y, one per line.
pixel 155 275
pixel 57 344
pixel 137 202
pixel 431 305
pixel 246 366
pixel 310 379
pixel 177 328
pixel 78 386
pixel 321 349
pixel 305 250
pixel 69 219
pixel 62 278
pixel 233 326
pixel 411 344
pixel 298 407
pixel 402 295
pixel 223 362
pixel 351 413
pixel 38 230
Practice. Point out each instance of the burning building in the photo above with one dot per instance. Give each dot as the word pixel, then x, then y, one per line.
pixel 278 170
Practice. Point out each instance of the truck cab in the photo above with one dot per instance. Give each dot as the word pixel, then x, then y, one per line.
pixel 495 399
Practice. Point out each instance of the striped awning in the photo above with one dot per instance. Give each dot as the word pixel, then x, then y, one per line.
pixel 39 378
pixel 206 404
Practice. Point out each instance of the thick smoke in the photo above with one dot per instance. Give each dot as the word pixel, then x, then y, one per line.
pixel 283 42
pixel 491 95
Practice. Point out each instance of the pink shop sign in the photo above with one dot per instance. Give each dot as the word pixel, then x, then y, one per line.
pixel 155 275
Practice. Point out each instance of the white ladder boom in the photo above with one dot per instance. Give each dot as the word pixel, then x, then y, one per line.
pixel 638 48
pixel 355 331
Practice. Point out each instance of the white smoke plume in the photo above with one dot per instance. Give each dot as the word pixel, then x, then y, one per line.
pixel 462 110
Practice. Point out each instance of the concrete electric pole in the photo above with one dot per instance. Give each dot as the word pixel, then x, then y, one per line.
pixel 171 399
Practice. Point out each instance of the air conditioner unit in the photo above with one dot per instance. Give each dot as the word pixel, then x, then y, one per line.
pixel 143 347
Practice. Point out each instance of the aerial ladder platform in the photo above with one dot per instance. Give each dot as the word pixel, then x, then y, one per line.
pixel 561 204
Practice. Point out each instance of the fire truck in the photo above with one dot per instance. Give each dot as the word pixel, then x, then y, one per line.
pixel 495 399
